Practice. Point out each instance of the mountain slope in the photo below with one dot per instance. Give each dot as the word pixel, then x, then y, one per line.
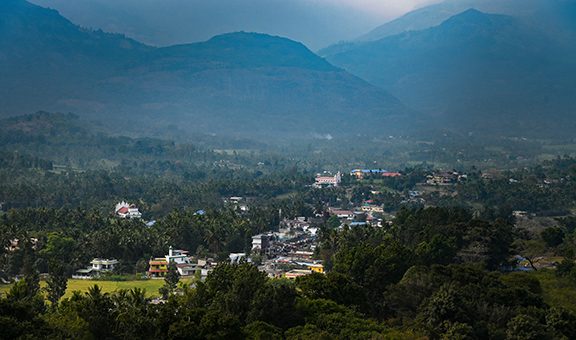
pixel 244 84
pixel 473 71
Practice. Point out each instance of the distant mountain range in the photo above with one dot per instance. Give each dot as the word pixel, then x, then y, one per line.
pixel 476 71
pixel 500 67
pixel 554 16
pixel 242 84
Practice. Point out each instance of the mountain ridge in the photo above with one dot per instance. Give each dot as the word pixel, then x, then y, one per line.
pixel 236 83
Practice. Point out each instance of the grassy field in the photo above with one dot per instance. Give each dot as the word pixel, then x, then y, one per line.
pixel 151 286
pixel 558 292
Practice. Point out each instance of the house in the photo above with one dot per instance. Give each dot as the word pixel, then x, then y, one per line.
pixel 157 267
pixel 324 180
pixel 205 266
pixel 370 208
pixel 125 210
pixel 340 213
pixel 312 266
pixel 103 265
pixel 295 273
pixel 14 244
pixel 98 266
pixel 261 243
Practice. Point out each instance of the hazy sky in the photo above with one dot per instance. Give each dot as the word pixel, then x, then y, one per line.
pixel 317 23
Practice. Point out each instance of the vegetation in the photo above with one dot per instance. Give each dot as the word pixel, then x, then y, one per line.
pixel 442 265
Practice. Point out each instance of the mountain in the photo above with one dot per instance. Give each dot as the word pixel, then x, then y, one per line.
pixel 243 84
pixel 547 13
pixel 555 17
pixel 475 71
pixel 44 56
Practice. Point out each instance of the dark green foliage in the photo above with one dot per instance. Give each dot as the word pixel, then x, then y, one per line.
pixel 56 283
pixel 553 236
pixel 260 330
pixel 170 281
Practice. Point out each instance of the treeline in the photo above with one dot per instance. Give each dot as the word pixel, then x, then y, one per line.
pixel 73 236
pixel 546 189
pixel 69 142
pixel 155 194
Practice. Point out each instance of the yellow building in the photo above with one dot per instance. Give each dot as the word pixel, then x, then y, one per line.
pixel 294 273
pixel 317 268
pixel 158 267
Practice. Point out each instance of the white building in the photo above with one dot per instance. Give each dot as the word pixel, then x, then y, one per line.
pixel 103 265
pixel 182 261
pixel 328 181
pixel 98 266
pixel 125 210
pixel 260 243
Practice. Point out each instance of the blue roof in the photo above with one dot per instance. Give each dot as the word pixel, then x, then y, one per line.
pixel 367 171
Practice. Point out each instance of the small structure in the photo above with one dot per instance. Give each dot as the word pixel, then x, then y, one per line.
pixel 125 210
pixel 98 266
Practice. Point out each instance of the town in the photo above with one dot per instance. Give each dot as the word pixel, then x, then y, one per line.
pixel 289 250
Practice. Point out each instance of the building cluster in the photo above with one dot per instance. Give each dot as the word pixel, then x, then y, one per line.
pixel 362 173
pixel 288 252
pixel 445 178
pixel 185 264
pixel 366 214
pixel 238 203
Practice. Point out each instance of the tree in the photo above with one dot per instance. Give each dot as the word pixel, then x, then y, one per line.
pixel 56 283
pixel 526 327
pixel 170 281
pixel 260 330
pixel 333 222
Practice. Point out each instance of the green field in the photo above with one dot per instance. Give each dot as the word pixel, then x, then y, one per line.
pixel 151 286
pixel 558 292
